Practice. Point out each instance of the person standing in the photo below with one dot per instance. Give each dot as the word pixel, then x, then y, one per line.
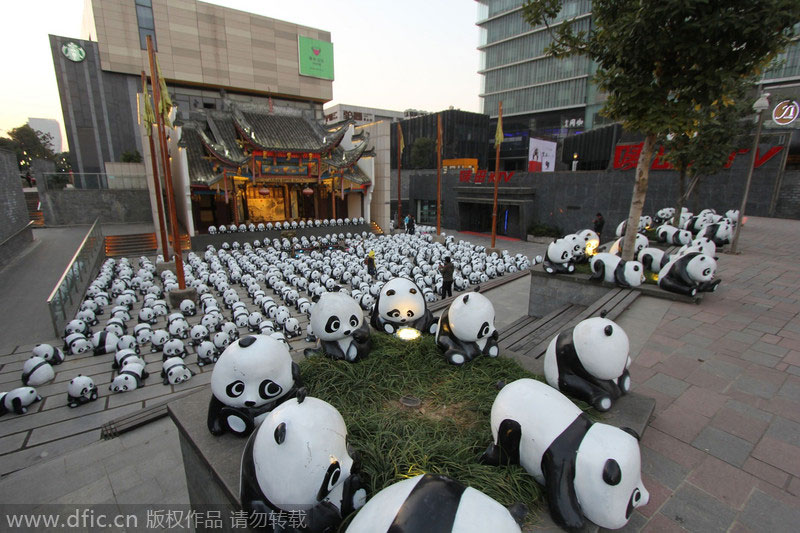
pixel 370 261
pixel 412 224
pixel 599 222
pixel 406 222
pixel 447 277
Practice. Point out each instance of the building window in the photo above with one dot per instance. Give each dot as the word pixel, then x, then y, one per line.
pixel 147 26
pixel 426 211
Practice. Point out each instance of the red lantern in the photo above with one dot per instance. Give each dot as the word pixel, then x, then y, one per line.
pixel 263 191
pixel 308 191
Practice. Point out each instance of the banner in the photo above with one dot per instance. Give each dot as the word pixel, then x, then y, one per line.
pixel 315 57
pixel 541 156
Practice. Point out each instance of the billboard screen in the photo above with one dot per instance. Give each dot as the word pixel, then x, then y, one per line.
pixel 541 156
pixel 315 57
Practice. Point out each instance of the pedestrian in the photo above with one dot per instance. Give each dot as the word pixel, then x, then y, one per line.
pixel 412 224
pixel 599 222
pixel 406 222
pixel 447 277
pixel 370 262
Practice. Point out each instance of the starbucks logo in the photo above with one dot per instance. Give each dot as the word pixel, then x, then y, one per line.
pixel 73 52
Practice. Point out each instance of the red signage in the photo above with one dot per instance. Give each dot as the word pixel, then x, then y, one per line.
pixel 626 157
pixel 483 176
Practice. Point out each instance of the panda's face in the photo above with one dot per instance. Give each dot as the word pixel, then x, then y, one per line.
pixel 80 386
pixel 252 371
pixel 400 301
pixel 335 316
pixel 307 444
pixel 602 347
pixel 471 317
pixel 123 383
pixel 559 251
pixel 608 479
pixel 701 268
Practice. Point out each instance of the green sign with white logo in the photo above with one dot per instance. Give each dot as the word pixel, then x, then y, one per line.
pixel 316 58
pixel 73 52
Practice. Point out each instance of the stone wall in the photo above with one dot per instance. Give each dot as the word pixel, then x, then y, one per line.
pixel 788 205
pixel 15 231
pixel 82 206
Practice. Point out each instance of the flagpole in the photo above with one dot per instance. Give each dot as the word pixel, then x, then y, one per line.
pixel 173 218
pixel 498 139
pixel 399 164
pixel 156 182
pixel 439 174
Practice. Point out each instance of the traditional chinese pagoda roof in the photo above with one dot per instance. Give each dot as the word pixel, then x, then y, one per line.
pixel 341 158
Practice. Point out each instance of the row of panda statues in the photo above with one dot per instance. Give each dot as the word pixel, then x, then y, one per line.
pixel 294 224
pixel 688 271
pixel 591 471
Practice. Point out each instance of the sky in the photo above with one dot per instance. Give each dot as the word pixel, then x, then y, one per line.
pixel 388 54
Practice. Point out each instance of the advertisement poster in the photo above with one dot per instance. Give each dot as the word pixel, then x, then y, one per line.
pixel 316 58
pixel 541 156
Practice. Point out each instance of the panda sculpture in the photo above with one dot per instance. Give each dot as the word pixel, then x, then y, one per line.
pixel 207 353
pixel 689 274
pixel 640 243
pixel 18 400
pixel 298 461
pixel 51 354
pixel 130 378
pixel 104 342
pixel 36 371
pixel 613 269
pixel 175 371
pixel 77 343
pixel 558 258
pixel 126 357
pixel 721 233
pixel 673 235
pixel 400 303
pixel 590 471
pixel 653 259
pixel 339 323
pixel 435 503
pixel 253 375
pixel 81 390
pixel 590 362
pixel 466 329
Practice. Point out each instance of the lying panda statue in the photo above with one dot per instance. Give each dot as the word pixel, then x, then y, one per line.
pixel 466 329
pixel 689 274
pixel 641 243
pixel 673 235
pixel 613 269
pixel 591 471
pixel 18 400
pixel 130 377
pixel 721 233
pixel 339 323
pixel 590 362
pixel 175 371
pixel 653 259
pixel 435 503
pixel 253 375
pixel 298 461
pixel 558 258
pixel 400 303
pixel 81 390
pixel 51 354
pixel 36 371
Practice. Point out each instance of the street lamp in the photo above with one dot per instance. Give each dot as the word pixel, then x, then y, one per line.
pixel 759 107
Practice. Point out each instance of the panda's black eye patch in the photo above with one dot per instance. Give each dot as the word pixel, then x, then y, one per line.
pixel 409 313
pixel 390 292
pixel 354 321
pixel 269 389
pixel 235 389
pixel 609 330
pixel 394 313
pixel 484 330
pixel 332 324
pixel 412 291
pixel 330 479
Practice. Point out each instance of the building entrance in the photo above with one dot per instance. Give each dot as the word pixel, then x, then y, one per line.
pixel 478 217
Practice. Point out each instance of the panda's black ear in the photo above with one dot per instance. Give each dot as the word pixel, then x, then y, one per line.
pixel 631 432
pixel 280 433
pixel 608 330
pixel 466 298
pixel 603 313
pixel 612 474
pixel 478 288
pixel 301 394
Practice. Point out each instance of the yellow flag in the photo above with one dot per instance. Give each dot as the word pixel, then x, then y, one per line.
pixel 148 117
pixel 165 103
pixel 400 138
pixel 498 135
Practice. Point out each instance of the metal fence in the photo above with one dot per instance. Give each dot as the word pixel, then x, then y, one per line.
pixel 65 299
pixel 87 180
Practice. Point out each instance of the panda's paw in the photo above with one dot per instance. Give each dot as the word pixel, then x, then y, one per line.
pixel 456 358
pixel 388 328
pixel 359 498
pixel 494 351
pixel 602 403
pixel 625 383
pixel 432 329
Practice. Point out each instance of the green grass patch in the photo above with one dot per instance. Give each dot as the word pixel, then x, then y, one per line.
pixel 584 268
pixel 446 434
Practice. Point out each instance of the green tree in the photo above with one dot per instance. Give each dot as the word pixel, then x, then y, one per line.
pixel 131 156
pixel 62 162
pixel 423 153
pixel 28 144
pixel 662 62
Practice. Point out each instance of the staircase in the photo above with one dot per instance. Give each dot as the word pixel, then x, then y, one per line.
pixel 376 229
pixel 136 244
pixel 34 209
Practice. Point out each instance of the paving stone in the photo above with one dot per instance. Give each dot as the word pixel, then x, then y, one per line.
pixel 722 369
pixel 670 447
pixel 723 481
pixel 707 381
pixel 707 403
pixel 756 387
pixel 738 424
pixel 760 358
pixel 782 406
pixel 665 471
pixel 153 389
pixel 681 423
pixel 749 410
pixel 78 425
pixel 695 510
pixel 666 384
pixel 678 366
pixel 92 454
pixel 16 423
pixel 790 389
pixel 765 513
pixel 723 445
pixel 95 491
pixel 794 486
pixel 661 524
pixel 779 454
pixel 12 442
pixel 794 370
pixel 658 495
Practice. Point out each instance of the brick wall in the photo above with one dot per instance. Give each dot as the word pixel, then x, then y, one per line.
pixel 788 205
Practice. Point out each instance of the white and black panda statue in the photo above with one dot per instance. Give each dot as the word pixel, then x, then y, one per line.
pixel 253 375
pixel 400 303
pixel 689 274
pixel 298 461
pixel 36 371
pixel 591 471
pixel 51 354
pixel 81 390
pixel 641 243
pixel 175 371
pixel 130 377
pixel 18 400
pixel 104 342
pixel 590 362
pixel 653 259
pixel 558 258
pixel 466 329
pixel 433 503
pixel 613 269
pixel 339 324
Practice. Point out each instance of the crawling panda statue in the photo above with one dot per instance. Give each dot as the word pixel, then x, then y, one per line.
pixel 81 390
pixel 640 243
pixel 253 375
pixel 298 461
pixel 689 274
pixel 653 259
pixel 36 371
pixel 400 303
pixel 339 323
pixel 673 235
pixel 18 400
pixel 466 329
pixel 77 343
pixel 435 503
pixel 130 377
pixel 590 362
pixel 175 371
pixel 613 269
pixel 51 354
pixel 558 259
pixel 720 233
pixel 591 471
pixel 104 342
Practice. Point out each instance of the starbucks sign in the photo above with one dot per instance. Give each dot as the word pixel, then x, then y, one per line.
pixel 73 52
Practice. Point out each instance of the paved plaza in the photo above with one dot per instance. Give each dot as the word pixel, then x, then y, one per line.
pixel 721 452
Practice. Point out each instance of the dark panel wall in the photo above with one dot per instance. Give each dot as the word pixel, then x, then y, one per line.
pixel 788 205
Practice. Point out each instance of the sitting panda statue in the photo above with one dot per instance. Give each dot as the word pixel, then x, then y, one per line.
pixel 689 274
pixel 613 269
pixel 558 258
pixel 81 390
pixel 466 329
pixel 590 362
pixel 18 400
pixel 253 375
pixel 400 303
pixel 298 460
pixel 433 502
pixel 339 323
pixel 591 471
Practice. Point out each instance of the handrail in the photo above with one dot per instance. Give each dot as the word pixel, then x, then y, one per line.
pixel 20 230
pixel 81 266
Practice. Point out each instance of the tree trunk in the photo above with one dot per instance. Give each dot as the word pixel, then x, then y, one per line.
pixel 639 193
pixel 681 193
